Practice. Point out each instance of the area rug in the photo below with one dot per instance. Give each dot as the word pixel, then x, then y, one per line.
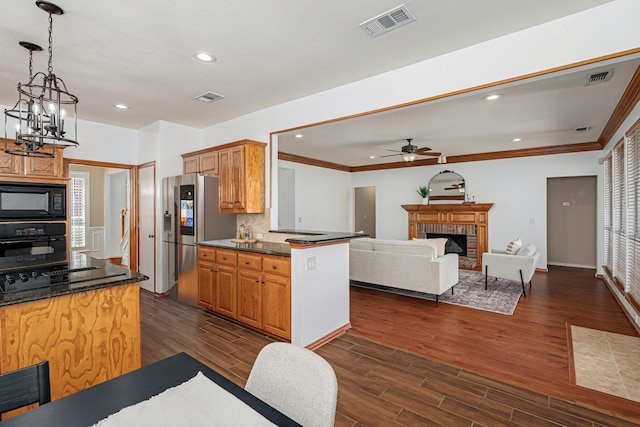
pixel 605 361
pixel 502 296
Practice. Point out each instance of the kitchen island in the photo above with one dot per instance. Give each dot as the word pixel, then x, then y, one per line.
pixel 80 313
pixel 297 290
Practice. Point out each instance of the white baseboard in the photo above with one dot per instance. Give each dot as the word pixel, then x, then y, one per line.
pixel 562 264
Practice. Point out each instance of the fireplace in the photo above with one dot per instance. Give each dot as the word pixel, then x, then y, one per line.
pixel 466 225
pixel 456 243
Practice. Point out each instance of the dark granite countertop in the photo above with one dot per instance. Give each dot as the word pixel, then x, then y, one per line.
pixel 310 237
pixel 103 275
pixel 268 248
pixel 304 237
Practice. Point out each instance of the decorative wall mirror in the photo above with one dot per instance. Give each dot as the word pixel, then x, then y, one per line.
pixel 446 186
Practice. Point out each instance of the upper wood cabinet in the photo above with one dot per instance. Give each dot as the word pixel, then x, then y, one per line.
pixel 241 166
pixel 32 166
pixel 205 162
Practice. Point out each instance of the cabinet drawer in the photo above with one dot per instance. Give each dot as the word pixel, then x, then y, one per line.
pixel 206 254
pixel 276 265
pixel 226 257
pixel 250 262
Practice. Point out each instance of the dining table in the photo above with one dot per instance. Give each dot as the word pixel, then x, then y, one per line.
pixel 178 390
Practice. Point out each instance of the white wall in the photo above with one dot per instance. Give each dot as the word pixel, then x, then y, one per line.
pixel 322 197
pixel 517 187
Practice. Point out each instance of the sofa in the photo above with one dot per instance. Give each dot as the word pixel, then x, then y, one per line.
pixel 414 265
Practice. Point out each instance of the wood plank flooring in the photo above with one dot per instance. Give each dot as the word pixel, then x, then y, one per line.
pixel 480 369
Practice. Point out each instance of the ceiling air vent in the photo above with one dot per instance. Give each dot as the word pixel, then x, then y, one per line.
pixel 388 21
pixel 208 97
pixel 583 128
pixel 601 77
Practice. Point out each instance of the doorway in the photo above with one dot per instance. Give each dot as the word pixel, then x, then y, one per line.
pixel 571 221
pixel 286 199
pixel 365 210
pixel 99 205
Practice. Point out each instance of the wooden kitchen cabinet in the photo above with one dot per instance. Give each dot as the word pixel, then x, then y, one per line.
pixel 264 295
pixel 32 166
pixel 241 172
pixel 253 288
pixel 226 285
pixel 203 162
pixel 206 277
pixel 240 166
pixel 276 296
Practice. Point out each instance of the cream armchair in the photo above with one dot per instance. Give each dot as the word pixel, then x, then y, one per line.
pixel 518 267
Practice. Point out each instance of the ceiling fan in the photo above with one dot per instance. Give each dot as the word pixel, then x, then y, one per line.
pixel 456 187
pixel 410 152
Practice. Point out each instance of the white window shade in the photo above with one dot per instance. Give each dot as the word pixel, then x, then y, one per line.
pixel 633 214
pixel 608 206
pixel 79 196
pixel 619 215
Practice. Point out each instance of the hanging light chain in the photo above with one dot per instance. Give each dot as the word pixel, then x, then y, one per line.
pixel 50 69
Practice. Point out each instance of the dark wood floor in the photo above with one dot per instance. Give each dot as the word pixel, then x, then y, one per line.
pixel 480 368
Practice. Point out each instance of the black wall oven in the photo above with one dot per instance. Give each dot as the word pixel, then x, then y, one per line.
pixel 25 240
pixel 26 201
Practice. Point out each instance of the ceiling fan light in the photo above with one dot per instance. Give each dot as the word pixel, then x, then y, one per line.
pixel 409 157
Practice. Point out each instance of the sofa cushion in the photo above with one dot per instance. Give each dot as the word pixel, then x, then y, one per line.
pixel 440 244
pixel 406 247
pixel 514 246
pixel 527 250
pixel 363 243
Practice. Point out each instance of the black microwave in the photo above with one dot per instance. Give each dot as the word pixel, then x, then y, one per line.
pixel 32 201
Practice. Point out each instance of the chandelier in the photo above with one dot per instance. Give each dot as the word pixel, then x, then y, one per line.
pixel 46 113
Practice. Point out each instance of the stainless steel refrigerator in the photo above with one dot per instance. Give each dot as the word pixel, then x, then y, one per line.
pixel 191 215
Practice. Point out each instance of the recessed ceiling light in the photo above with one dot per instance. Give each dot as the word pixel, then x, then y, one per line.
pixel 372 157
pixel 492 97
pixel 517 139
pixel 121 106
pixel 204 57
pixel 298 135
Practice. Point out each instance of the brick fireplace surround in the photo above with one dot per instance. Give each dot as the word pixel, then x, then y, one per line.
pixel 470 219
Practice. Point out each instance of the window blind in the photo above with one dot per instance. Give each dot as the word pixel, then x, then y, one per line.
pixel 78 219
pixel 633 215
pixel 619 216
pixel 608 206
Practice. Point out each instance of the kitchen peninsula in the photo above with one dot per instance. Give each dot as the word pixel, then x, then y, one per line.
pixel 297 290
pixel 80 313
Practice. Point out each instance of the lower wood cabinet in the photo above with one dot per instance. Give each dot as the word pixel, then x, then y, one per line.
pixel 87 337
pixel 253 288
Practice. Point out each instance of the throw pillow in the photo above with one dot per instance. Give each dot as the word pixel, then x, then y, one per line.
pixel 514 246
pixel 441 243
pixel 527 250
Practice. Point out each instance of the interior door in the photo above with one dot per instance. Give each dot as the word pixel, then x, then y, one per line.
pixel 365 210
pixel 147 225
pixel 572 221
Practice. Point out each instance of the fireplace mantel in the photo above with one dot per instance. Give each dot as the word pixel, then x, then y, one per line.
pixel 471 219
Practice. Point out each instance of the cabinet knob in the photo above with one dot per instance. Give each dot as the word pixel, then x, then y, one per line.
pixel 257 280
pixel 274 266
pixel 224 258
pixel 247 262
pixel 263 282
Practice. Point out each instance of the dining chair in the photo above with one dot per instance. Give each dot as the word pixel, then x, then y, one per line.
pixel 297 382
pixel 25 386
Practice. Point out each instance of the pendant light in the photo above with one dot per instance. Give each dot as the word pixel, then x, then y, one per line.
pixel 46 112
